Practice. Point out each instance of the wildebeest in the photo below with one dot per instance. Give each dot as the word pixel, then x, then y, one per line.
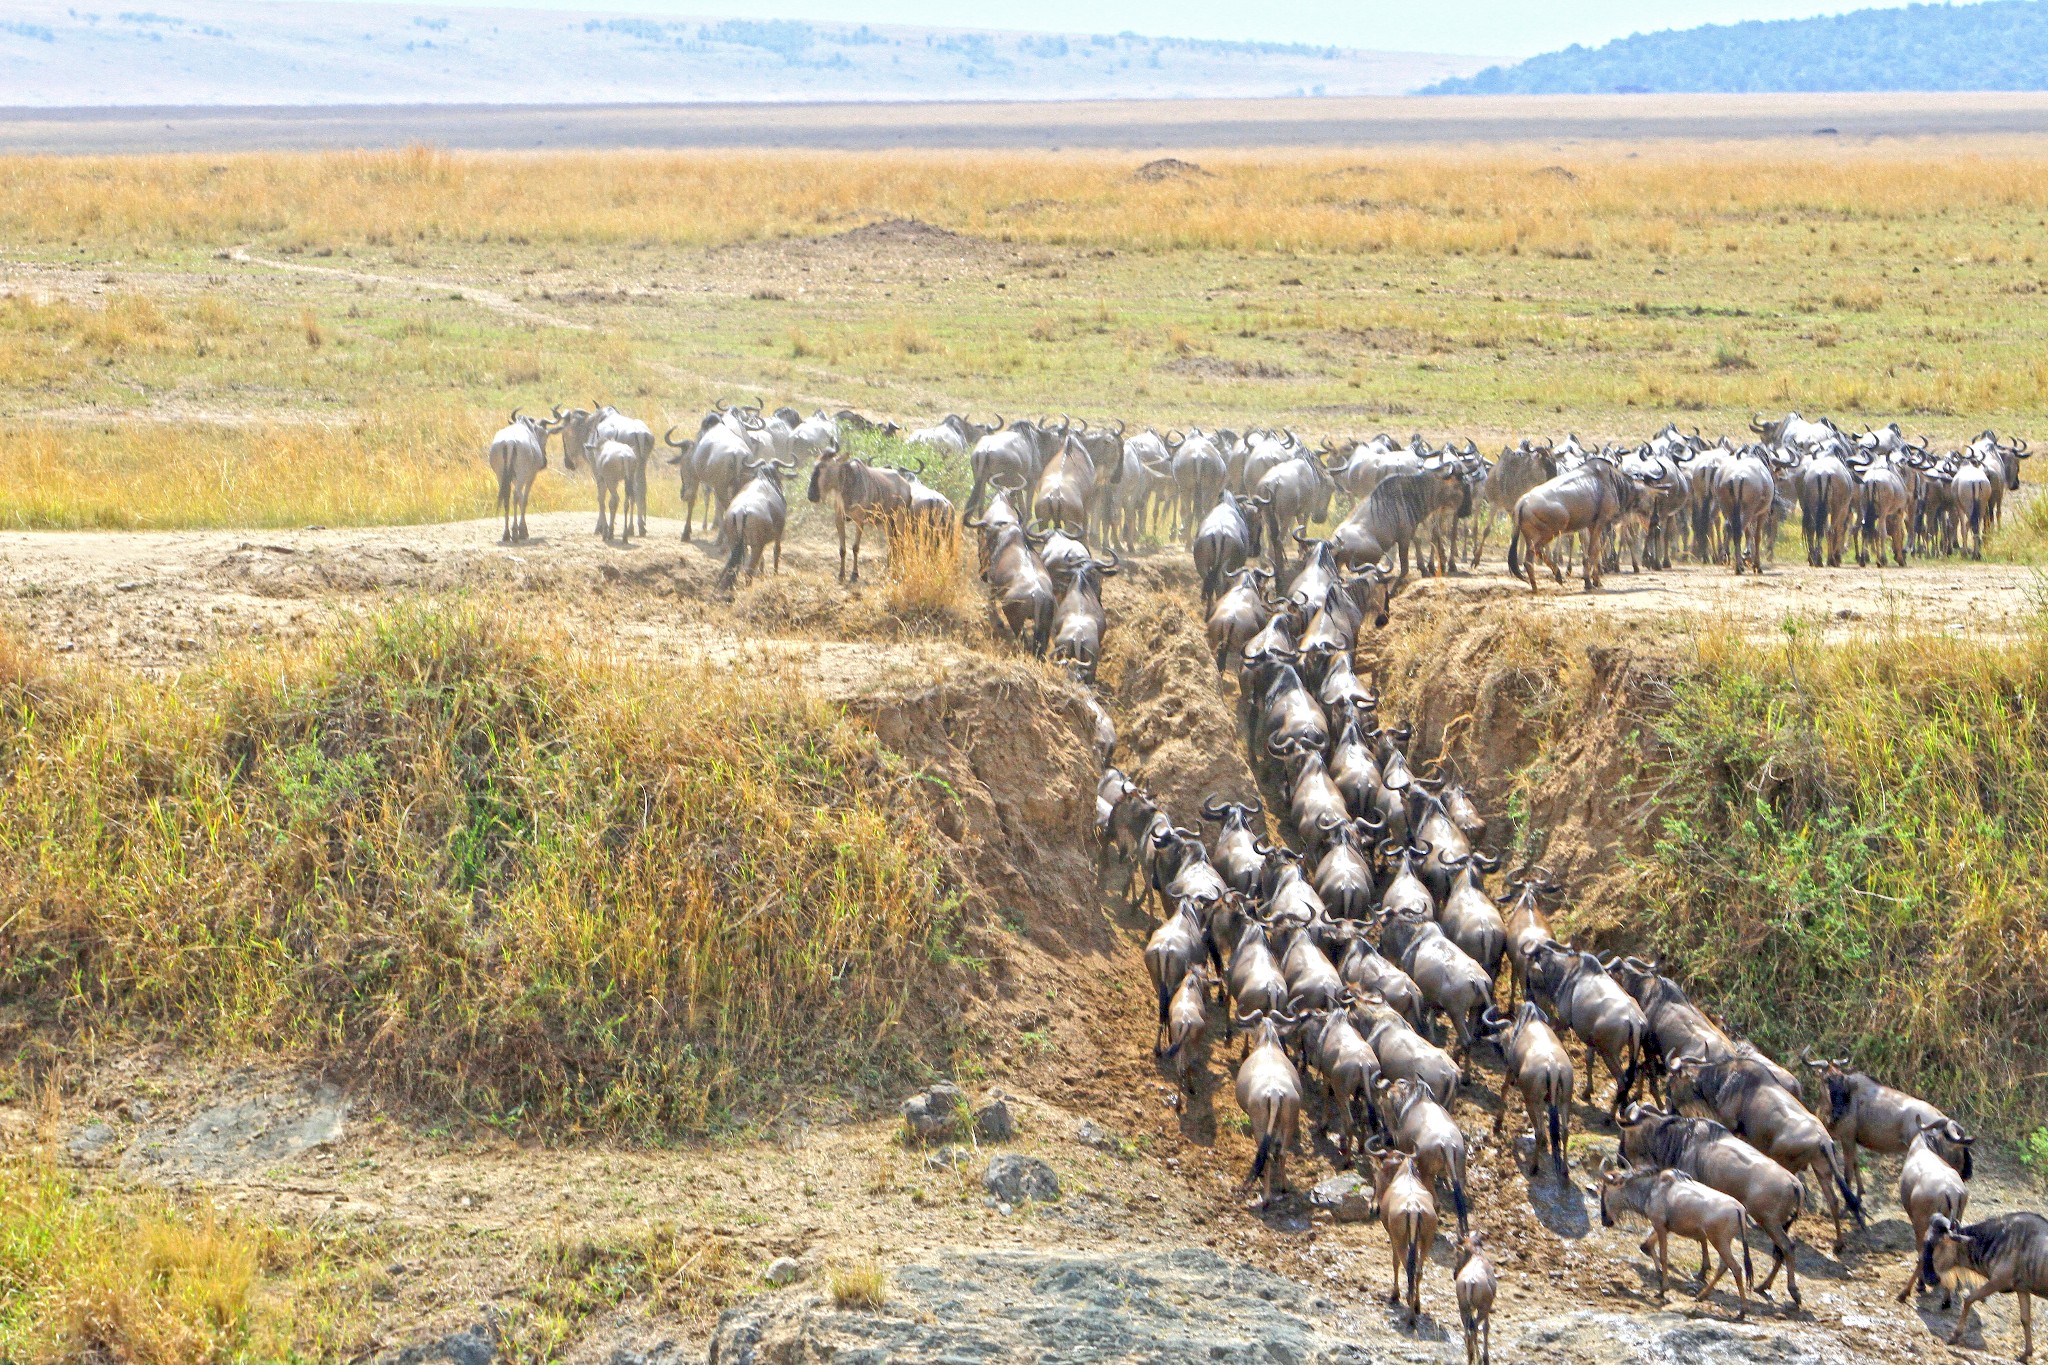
pixel 1771 1195
pixel 1078 620
pixel 1021 597
pixel 1678 1205
pixel 1579 992
pixel 1386 523
pixel 1862 1113
pixel 1338 1052
pixel 1187 1020
pixel 611 470
pixel 861 493
pixel 1586 501
pixel 1475 1285
pixel 1535 1066
pixel 1229 535
pixel 1408 1213
pixel 1930 1185
pixel 754 519
pixel 1748 1099
pixel 1403 1052
pixel 1269 1092
pixel 1425 1130
pixel 518 453
pixel 1238 615
pixel 2007 1254
pixel 1447 977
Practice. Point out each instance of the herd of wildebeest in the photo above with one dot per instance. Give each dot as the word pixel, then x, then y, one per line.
pixel 1349 934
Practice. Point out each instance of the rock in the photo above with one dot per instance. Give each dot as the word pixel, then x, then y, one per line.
pixel 992 1122
pixel 935 1114
pixel 476 1345
pixel 241 1135
pixel 91 1142
pixel 990 1306
pixel 1093 1134
pixel 1673 1336
pixel 1013 1179
pixel 1347 1197
pixel 948 1158
pixel 781 1271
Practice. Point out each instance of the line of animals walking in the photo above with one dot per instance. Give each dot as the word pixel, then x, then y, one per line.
pixel 1350 944
pixel 1413 507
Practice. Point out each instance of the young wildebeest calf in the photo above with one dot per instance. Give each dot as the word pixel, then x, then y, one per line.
pixel 1187 1020
pixel 1476 1284
pixel 1675 1203
pixel 2003 1255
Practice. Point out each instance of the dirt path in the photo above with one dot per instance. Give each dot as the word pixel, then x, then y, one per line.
pixel 160 599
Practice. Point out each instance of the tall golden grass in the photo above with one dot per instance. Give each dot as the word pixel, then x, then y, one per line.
pixel 413 465
pixel 1662 200
pixel 927 579
pixel 473 867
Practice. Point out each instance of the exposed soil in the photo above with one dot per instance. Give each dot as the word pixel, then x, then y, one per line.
pixel 1061 1017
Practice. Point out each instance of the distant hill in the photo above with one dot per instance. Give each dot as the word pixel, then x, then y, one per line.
pixel 1999 45
pixel 222 52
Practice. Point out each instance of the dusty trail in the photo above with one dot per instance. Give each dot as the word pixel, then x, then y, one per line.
pixel 1062 1029
pixel 158 599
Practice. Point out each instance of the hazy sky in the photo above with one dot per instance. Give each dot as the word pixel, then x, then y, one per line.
pixel 1506 27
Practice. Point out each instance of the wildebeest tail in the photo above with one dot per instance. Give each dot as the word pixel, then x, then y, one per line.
pixel 1212 584
pixel 1556 1128
pixel 1840 1176
pixel 1515 551
pixel 1268 1145
pixel 732 562
pixel 1742 1234
pixel 1458 1201
pixel 1414 1253
pixel 1468 1319
pixel 1041 634
pixel 1164 1000
pixel 1869 511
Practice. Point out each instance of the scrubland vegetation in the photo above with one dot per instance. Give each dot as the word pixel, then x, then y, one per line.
pixel 1849 851
pixel 492 876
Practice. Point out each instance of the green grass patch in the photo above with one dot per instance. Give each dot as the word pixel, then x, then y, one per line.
pixel 1852 854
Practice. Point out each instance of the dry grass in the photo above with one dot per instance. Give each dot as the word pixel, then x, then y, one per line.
pixel 482 871
pixel 1662 201
pixel 382 468
pixel 927 577
pixel 862 1285
pixel 88 1275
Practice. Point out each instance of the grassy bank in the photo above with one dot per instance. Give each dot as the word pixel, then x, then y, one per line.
pixel 1850 852
pixel 485 873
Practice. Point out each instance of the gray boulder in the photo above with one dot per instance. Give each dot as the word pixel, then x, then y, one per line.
pixel 935 1114
pixel 1013 1179
pixel 1347 1198
pixel 992 1122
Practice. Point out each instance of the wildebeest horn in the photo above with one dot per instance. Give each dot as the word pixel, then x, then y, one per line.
pixel 558 412
pixel 668 438
pixel 1212 809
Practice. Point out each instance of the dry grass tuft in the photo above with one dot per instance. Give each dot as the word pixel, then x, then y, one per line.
pixel 862 1285
pixel 927 577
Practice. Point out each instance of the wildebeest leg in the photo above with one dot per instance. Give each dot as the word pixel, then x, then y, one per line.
pixel 778 556
pixel 1981 1290
pixel 839 525
pixel 505 502
pixel 859 529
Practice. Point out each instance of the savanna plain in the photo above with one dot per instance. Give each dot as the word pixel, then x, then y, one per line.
pixel 413 945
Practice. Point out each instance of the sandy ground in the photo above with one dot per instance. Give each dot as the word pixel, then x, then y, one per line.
pixel 1118 124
